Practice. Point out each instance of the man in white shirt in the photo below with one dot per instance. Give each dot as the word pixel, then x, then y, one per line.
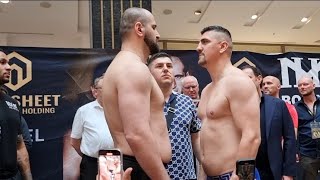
pixel 90 132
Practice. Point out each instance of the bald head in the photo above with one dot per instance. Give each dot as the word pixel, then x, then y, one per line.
pixel 306 86
pixel 188 79
pixel 271 85
pixel 130 17
pixel 190 87
pixel 305 78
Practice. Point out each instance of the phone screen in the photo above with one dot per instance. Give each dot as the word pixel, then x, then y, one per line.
pixel 245 169
pixel 110 164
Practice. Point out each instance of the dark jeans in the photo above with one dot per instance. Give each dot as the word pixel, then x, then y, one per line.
pixel 309 168
pixel 137 172
pixel 88 168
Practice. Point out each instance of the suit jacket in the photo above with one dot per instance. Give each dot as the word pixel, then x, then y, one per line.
pixel 279 125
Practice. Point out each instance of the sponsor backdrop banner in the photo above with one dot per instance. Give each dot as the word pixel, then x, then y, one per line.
pixel 51 84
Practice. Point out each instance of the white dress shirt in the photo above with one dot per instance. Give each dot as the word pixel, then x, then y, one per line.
pixel 90 125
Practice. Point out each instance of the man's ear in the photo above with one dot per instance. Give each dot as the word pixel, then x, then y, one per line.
pixel 93 91
pixel 139 29
pixel 223 46
pixel 260 78
pixel 279 86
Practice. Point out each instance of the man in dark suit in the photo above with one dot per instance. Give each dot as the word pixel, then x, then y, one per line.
pixel 273 161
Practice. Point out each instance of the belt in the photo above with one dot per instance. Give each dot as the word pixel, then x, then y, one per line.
pixel 89 158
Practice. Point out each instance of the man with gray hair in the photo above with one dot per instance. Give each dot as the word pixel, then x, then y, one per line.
pixel 90 132
pixel 190 87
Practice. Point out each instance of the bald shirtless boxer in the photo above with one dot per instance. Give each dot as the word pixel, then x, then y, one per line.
pixel 133 102
pixel 229 108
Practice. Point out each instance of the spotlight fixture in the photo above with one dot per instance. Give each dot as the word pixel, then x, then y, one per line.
pixel 45 4
pixel 5 1
pixel 304 19
pixel 197 12
pixel 254 16
pixel 167 11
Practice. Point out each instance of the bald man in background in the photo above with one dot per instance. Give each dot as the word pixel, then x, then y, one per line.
pixel 308 109
pixel 190 87
pixel 271 85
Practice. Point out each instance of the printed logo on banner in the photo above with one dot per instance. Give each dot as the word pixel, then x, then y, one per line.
pixel 295 64
pixel 21 81
pixel 244 60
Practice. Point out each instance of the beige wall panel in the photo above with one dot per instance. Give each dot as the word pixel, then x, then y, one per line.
pixel 181 46
pixel 302 49
pixel 160 45
pixel 265 49
pixel 259 48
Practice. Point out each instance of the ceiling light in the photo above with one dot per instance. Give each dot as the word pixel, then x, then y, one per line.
pixel 167 11
pixel 5 1
pixel 304 19
pixel 254 16
pixel 197 12
pixel 45 4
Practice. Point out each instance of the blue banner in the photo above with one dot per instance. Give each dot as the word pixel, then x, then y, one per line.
pixel 51 84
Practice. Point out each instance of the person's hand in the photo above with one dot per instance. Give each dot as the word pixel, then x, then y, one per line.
pixel 287 178
pixel 234 176
pixel 127 174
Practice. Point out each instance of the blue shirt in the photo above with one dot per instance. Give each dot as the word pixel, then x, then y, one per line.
pixel 185 122
pixel 307 145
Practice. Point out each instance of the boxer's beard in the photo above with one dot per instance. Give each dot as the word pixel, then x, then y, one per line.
pixel 152 45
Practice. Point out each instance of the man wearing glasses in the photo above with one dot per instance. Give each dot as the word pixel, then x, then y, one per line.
pixel 90 132
pixel 190 87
